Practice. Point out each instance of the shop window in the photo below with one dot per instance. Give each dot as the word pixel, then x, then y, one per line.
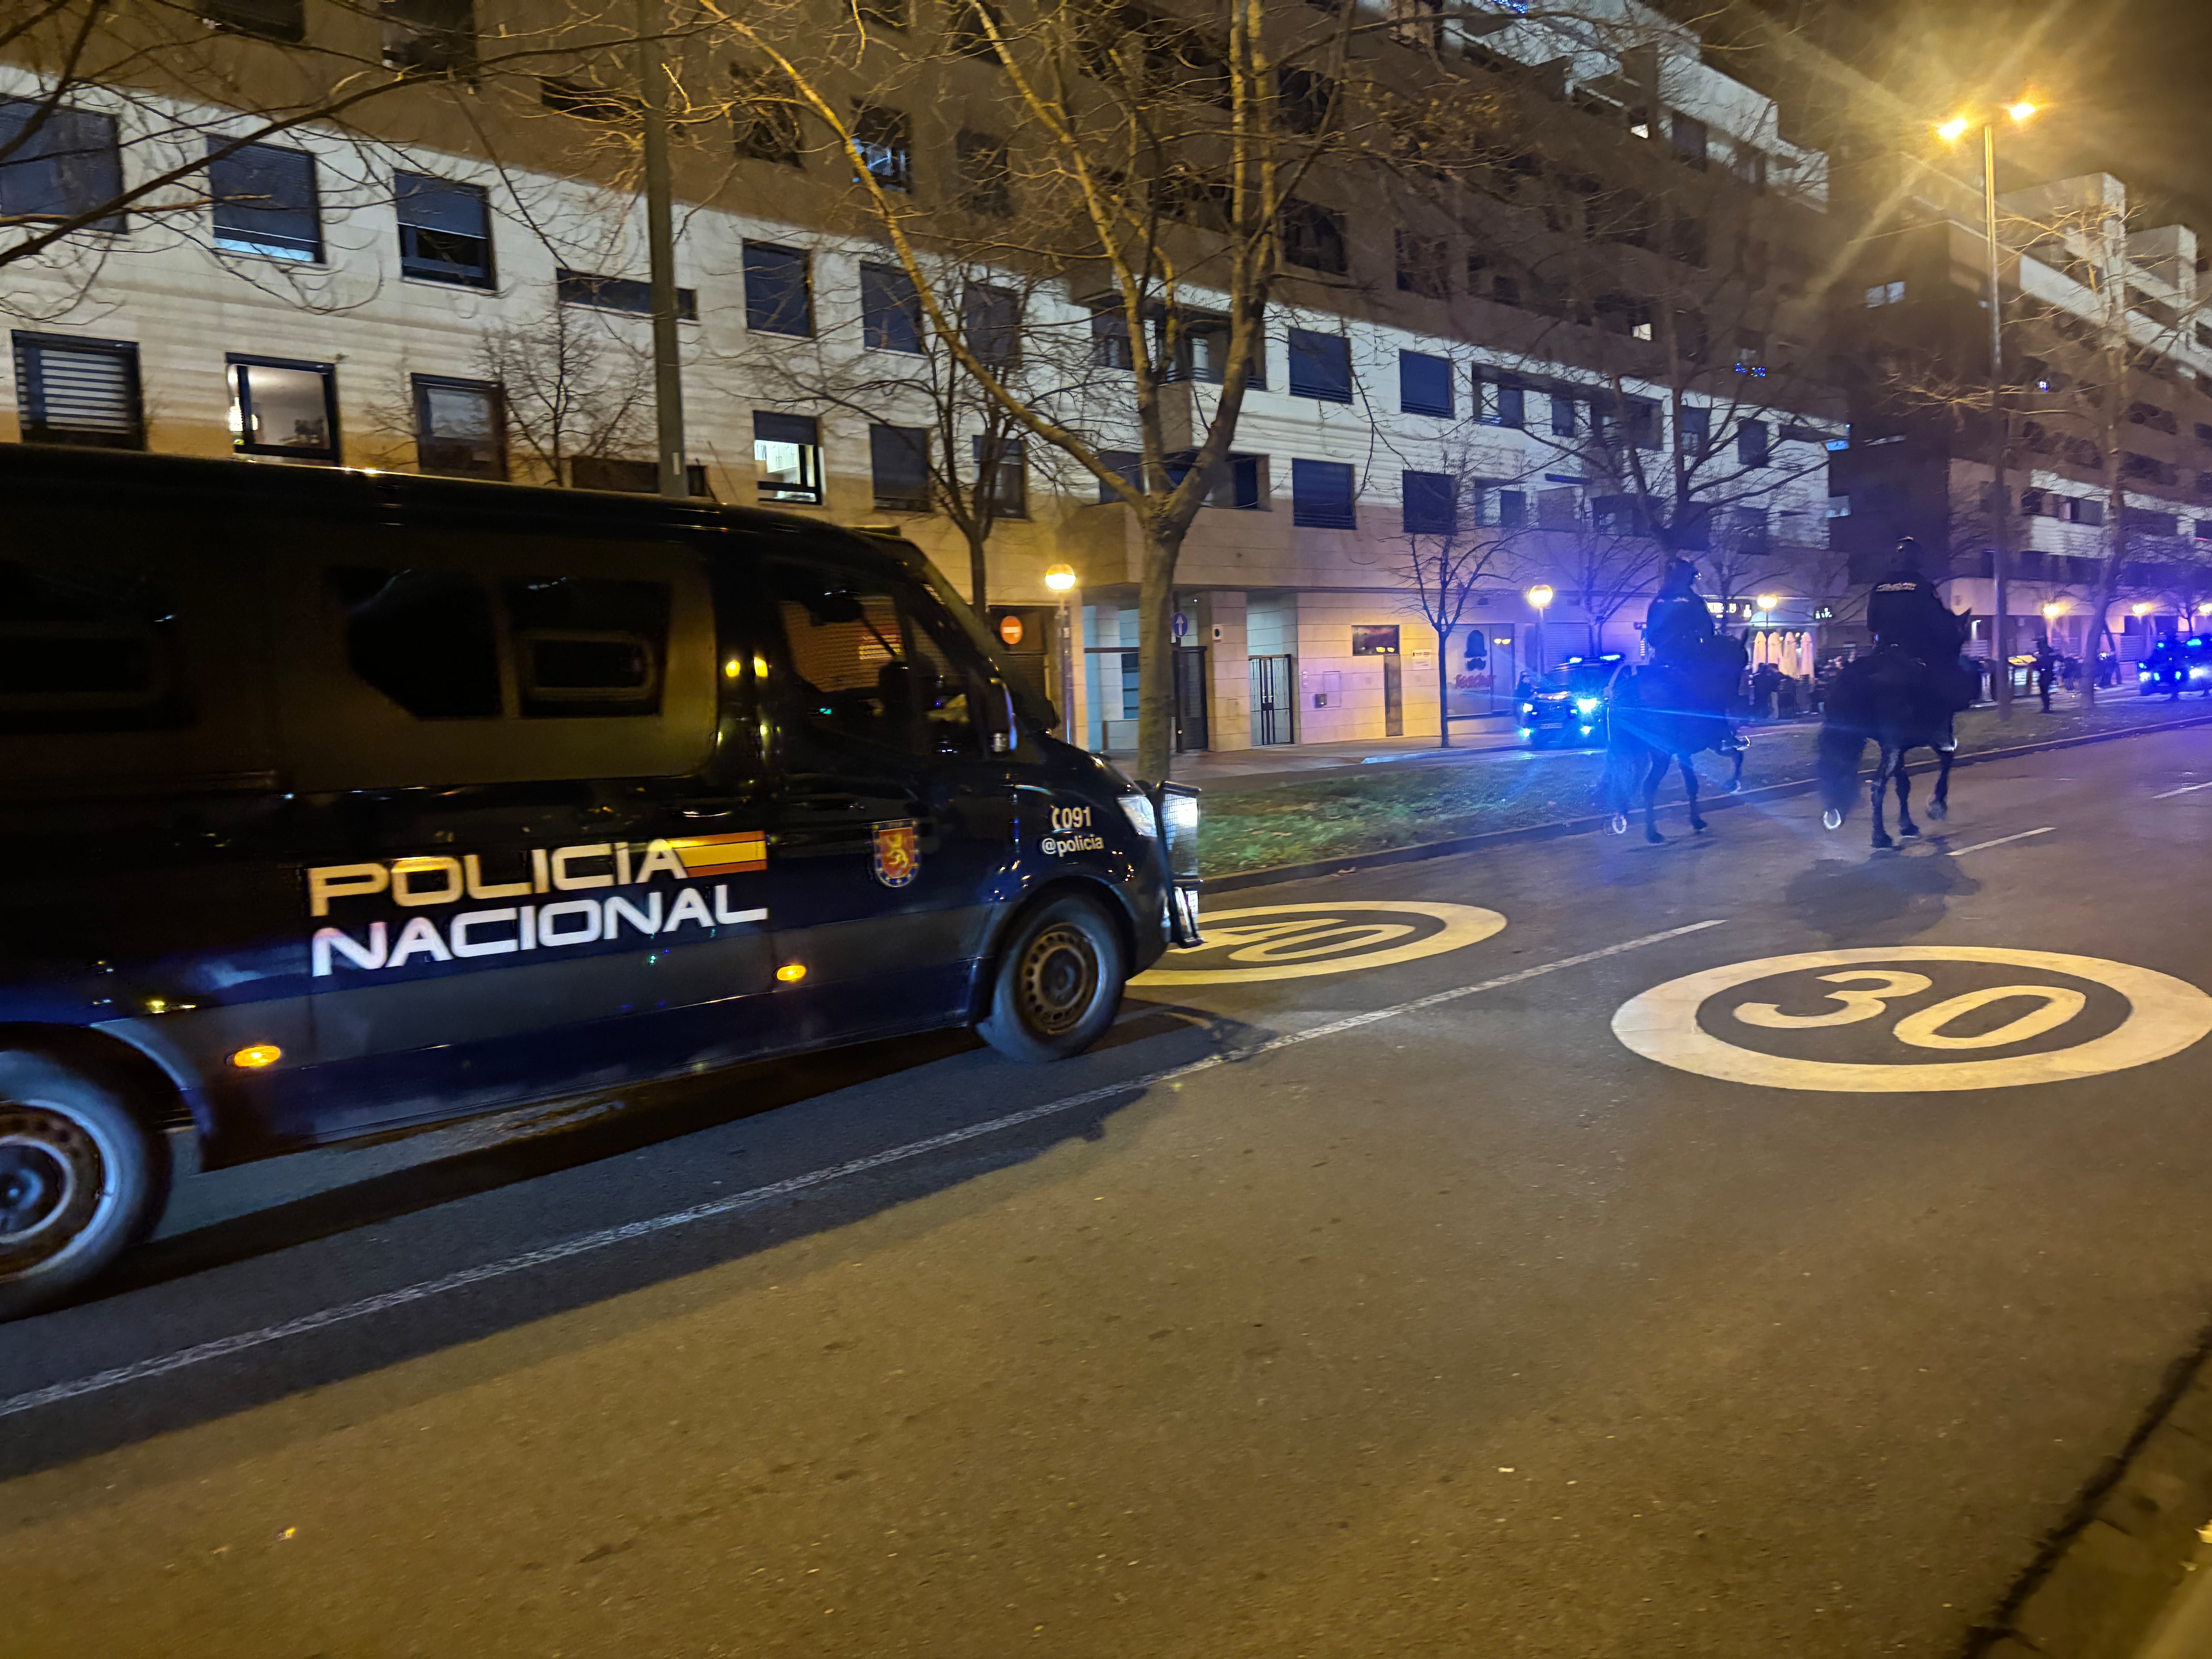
pixel 1375 641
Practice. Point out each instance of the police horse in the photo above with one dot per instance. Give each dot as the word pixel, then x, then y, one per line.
pixel 1891 699
pixel 1659 715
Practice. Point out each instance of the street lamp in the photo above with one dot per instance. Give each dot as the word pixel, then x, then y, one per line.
pixel 1539 596
pixel 2019 111
pixel 1061 579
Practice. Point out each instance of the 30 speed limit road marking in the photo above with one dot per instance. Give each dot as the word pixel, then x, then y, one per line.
pixel 1857 988
pixel 1299 941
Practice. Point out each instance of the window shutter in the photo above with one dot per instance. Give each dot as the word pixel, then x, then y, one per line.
pixel 77 393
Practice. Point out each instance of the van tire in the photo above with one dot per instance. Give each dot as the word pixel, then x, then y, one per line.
pixel 1059 982
pixel 81 1178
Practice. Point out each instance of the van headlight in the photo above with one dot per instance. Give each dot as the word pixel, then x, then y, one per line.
pixel 1587 705
pixel 1141 816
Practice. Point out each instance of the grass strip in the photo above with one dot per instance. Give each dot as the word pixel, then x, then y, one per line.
pixel 1361 810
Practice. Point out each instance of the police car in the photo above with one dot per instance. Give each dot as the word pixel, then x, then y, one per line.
pixel 2176 666
pixel 334 804
pixel 1567 710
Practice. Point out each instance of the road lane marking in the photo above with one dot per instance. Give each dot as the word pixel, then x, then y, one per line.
pixel 1301 941
pixel 323 1318
pixel 2185 789
pixel 2001 841
pixel 2165 1015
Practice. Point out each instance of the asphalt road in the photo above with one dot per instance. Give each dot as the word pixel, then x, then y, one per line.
pixel 1295 1321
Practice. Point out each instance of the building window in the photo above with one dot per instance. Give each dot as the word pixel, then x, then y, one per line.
pixel 1422 265
pixel 272 20
pixel 1750 352
pixel 69 390
pixel 763 120
pixel 68 166
pixel 788 456
pixel 1641 417
pixel 973 22
pixel 986 176
pixel 1425 384
pixel 1886 293
pixel 1110 340
pixel 1242 485
pixel 1507 404
pixel 1313 238
pixel 886 142
pixel 284 409
pixel 1752 447
pixel 265 203
pixel 1418 23
pixel 1750 165
pixel 460 428
pixel 629 478
pixel 1303 99
pixel 1689 135
pixel 1202 349
pixel 430 37
pixel 1431 503
pixel 587 101
pixel 1696 422
pixel 779 298
pixel 991 322
pixel 623 294
pixel 1563 416
pixel 890 311
pixel 1125 465
pixel 1007 483
pixel 888 14
pixel 898 463
pixel 445 231
pixel 1321 494
pixel 1375 641
pixel 1321 366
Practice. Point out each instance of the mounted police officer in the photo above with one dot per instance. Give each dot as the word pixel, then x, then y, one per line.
pixel 1905 612
pixel 1679 624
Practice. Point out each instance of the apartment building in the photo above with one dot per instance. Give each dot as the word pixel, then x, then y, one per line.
pixel 1605 347
pixel 2108 355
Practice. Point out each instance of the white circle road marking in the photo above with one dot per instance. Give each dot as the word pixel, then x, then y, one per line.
pixel 2166 1015
pixel 1277 945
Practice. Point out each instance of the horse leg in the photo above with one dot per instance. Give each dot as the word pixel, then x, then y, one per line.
pixel 1690 787
pixel 1886 760
pixel 1905 826
pixel 1939 804
pixel 1735 777
pixel 1658 770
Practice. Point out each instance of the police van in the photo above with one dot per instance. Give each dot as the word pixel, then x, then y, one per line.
pixel 333 803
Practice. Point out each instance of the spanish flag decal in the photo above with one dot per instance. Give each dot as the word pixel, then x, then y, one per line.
pixel 723 856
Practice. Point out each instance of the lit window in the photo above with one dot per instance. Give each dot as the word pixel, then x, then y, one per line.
pixel 284 409
pixel 788 457
pixel 460 428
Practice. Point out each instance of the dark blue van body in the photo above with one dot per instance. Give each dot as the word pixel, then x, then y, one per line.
pixel 332 803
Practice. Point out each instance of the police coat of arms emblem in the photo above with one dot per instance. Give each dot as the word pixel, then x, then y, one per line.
pixel 896 855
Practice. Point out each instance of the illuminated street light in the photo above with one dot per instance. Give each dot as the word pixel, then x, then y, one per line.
pixel 1768 601
pixel 1061 579
pixel 2141 607
pixel 1539 596
pixel 1951 133
pixel 2053 611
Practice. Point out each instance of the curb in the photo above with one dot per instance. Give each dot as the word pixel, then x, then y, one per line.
pixel 2120 1576
pixel 1352 862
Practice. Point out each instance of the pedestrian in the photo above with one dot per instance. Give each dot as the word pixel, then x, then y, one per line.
pixel 2046 671
pixel 1766 681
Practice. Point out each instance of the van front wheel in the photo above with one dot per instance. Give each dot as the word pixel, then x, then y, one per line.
pixel 79 1179
pixel 1059 982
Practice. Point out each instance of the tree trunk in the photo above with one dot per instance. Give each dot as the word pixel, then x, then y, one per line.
pixel 1444 688
pixel 1156 656
pixel 979 571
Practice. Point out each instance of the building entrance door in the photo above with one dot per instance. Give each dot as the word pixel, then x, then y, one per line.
pixel 1271 697
pixel 1394 698
pixel 1190 731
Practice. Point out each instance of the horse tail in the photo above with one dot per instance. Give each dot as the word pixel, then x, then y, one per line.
pixel 1842 747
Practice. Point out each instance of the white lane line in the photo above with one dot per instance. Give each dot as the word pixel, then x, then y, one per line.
pixel 2185 789
pixel 224 1348
pixel 2001 841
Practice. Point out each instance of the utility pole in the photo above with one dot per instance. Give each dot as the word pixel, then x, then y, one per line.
pixel 1999 513
pixel 660 247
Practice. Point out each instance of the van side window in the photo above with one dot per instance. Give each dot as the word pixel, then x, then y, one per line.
pixel 865 663
pixel 423 638
pixel 87 644
pixel 587 644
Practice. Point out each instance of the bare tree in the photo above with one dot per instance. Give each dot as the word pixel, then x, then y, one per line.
pixel 571 389
pixel 1161 164
pixel 1448 549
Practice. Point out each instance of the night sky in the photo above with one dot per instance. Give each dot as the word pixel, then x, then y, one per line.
pixel 2124 83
